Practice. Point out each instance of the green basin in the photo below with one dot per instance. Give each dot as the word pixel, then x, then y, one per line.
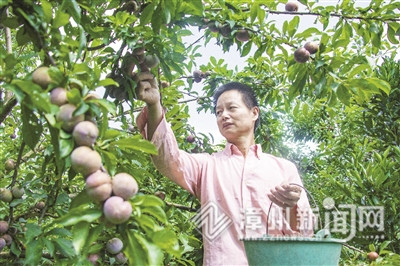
pixel 281 250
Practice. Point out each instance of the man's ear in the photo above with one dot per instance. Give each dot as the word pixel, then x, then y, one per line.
pixel 256 112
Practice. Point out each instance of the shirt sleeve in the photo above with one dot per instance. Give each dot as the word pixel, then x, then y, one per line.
pixel 179 166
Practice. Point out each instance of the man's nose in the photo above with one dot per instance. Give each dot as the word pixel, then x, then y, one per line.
pixel 224 115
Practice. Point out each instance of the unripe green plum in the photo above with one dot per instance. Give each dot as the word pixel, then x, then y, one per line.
pixel 86 161
pixel 124 186
pixel 41 77
pixel 151 61
pixel 114 245
pixel 98 186
pixel 65 115
pixel 40 205
pixel 5 195
pixel 9 165
pixel 85 133
pixel 17 191
pixel 3 227
pixel 116 210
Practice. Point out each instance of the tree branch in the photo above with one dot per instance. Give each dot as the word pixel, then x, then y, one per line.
pixel 182 207
pixel 7 108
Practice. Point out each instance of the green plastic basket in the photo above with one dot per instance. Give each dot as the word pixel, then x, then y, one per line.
pixel 293 250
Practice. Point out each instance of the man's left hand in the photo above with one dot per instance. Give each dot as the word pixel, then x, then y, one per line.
pixel 285 195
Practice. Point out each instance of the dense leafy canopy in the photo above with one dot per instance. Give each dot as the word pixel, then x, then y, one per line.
pixel 343 102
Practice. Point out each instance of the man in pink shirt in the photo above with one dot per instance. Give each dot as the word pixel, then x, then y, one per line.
pixel 241 189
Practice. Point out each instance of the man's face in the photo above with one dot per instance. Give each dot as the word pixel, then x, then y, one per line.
pixel 234 118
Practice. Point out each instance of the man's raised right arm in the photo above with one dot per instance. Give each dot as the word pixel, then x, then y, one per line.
pixel 147 91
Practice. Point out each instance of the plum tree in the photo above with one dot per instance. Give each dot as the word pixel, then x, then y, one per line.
pixel 85 133
pixel 124 186
pixel 114 245
pixel 116 210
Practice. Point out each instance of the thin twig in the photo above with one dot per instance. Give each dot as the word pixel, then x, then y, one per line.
pixel 182 207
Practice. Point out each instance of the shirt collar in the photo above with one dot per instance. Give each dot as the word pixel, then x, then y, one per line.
pixel 231 149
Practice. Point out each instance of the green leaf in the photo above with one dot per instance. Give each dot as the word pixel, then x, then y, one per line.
pixel 293 25
pixel 32 231
pixel 343 94
pixel 66 147
pixel 106 82
pixel 74 96
pixel 80 233
pixel 157 212
pixel 65 247
pixel 246 49
pixel 47 10
pixel 108 106
pixel 49 245
pixel 253 11
pixel 59 232
pixel 72 7
pixel 147 14
pixel 60 19
pixel 261 16
pixel 31 127
pixel 80 214
pixel 147 201
pixel 82 41
pixel 141 252
pixel 33 252
pixel 80 199
pixel 381 84
pixel 135 143
pixel 110 161
pixel 167 240
pixel 134 251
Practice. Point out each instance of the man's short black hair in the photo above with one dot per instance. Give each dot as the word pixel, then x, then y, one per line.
pixel 248 95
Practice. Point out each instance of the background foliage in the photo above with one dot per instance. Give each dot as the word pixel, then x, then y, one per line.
pixel 343 102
